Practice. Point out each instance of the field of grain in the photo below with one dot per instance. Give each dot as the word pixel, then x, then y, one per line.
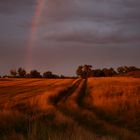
pixel 70 109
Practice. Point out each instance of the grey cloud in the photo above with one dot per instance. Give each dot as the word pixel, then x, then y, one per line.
pixel 97 32
pixel 93 8
pixel 75 10
pixel 14 6
pixel 93 21
pixel 94 32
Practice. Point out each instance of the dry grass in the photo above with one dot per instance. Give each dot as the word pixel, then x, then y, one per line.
pixel 68 109
pixel 117 100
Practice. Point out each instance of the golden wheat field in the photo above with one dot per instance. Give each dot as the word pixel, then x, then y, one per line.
pixel 70 109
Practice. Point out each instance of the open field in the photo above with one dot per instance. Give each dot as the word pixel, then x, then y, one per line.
pixel 70 109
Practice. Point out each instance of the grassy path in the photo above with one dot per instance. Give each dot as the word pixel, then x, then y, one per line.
pixel 73 105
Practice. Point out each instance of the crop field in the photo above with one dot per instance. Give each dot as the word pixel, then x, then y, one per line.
pixel 70 109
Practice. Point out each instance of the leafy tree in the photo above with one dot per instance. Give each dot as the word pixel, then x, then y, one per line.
pixel 62 76
pixel 13 73
pixel 28 75
pixel 98 73
pixel 79 71
pixel 109 72
pixel 84 71
pixel 112 72
pixel 22 73
pixel 126 69
pixel 106 72
pixel 47 74
pixel 121 70
pixel 132 68
pixel 35 74
pixel 55 76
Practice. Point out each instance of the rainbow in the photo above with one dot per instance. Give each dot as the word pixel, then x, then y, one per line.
pixel 34 29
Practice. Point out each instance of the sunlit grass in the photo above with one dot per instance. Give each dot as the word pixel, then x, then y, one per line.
pixel 68 109
pixel 117 99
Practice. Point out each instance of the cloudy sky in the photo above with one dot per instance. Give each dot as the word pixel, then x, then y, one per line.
pixel 59 35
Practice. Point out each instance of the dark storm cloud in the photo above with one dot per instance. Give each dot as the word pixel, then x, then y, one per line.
pixel 94 32
pixel 94 8
pixel 14 6
pixel 103 33
pixel 92 21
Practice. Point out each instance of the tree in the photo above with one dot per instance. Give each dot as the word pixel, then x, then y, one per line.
pixel 84 71
pixel 123 69
pixel 106 72
pixel 47 74
pixel 112 72
pixel 98 73
pixel 62 76
pixel 13 73
pixel 21 72
pixel 79 71
pixel 35 74
pixel 109 72
pixel 132 69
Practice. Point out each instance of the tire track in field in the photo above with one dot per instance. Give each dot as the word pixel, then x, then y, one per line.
pixel 73 106
pixel 48 117
pixel 107 127
pixel 63 95
pixel 53 111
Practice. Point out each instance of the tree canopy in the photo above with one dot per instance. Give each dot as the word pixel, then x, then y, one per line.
pixel 84 71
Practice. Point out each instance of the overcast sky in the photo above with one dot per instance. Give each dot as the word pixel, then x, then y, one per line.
pixel 103 33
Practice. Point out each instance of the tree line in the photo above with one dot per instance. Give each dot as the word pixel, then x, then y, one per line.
pixel 83 71
pixel 87 71
pixel 22 73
